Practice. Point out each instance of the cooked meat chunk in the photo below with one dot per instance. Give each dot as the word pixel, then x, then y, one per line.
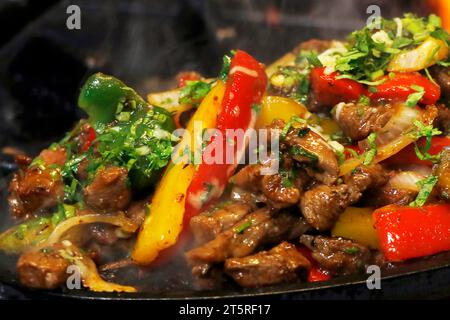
pixel 205 227
pixel 392 192
pixel 280 264
pixel 443 174
pixel 442 120
pixel 109 190
pixel 337 255
pixel 357 121
pixel 367 177
pixel 43 269
pixel 308 148
pixel 256 229
pixel 442 77
pixel 275 193
pixel 322 205
pixel 316 45
pixel 37 186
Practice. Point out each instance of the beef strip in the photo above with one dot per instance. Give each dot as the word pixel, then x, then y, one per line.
pixel 109 191
pixel 357 121
pixel 442 77
pixel 442 171
pixel 43 269
pixel 322 204
pixel 337 255
pixel 256 229
pixel 37 186
pixel 442 120
pixel 280 264
pixel 275 193
pixel 316 45
pixel 205 227
pixel 390 193
pixel 309 149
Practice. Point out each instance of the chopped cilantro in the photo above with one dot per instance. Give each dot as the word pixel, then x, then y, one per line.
pixel 369 155
pixel 290 123
pixel 428 132
pixel 426 186
pixel 414 98
pixel 300 151
pixel 240 229
pixel 351 250
pixel 194 91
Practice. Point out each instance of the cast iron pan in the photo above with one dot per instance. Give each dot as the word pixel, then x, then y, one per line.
pixel 146 43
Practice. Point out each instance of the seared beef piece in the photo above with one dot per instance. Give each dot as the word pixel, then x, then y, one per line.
pixel 390 193
pixel 274 192
pixel 36 187
pixel 322 205
pixel 308 148
pixel 337 255
pixel 280 264
pixel 109 190
pixel 442 120
pixel 442 171
pixel 316 45
pixel 205 227
pixel 43 269
pixel 256 229
pixel 357 121
pixel 367 177
pixel 136 211
pixel 442 77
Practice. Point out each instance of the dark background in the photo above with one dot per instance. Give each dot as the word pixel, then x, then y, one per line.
pixel 146 43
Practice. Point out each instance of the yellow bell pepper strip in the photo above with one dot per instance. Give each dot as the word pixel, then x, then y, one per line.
pixel 245 87
pixel 163 224
pixel 274 107
pixel 357 224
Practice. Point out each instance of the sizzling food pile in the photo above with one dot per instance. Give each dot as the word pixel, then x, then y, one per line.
pixel 363 168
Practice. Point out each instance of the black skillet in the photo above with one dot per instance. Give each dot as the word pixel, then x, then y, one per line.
pixel 146 43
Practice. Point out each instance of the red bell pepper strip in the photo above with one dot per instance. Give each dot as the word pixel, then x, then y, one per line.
pixel 329 91
pixel 245 87
pixel 407 232
pixel 91 136
pixel 399 88
pixel 315 273
pixel 408 154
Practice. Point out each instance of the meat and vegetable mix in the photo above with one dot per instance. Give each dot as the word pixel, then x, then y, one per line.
pixel 358 130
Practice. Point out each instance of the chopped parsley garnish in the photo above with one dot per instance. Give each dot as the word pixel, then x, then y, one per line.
pixel 364 100
pixel 287 177
pixel 351 250
pixel 311 57
pixel 289 124
pixel 240 229
pixel 223 74
pixel 194 91
pixel 415 97
pixel 426 187
pixel 300 151
pixel 369 50
pixel 428 132
pixel 370 154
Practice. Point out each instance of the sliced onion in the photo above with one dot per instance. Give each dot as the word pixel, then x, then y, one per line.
pixel 424 56
pixel 119 220
pixel 88 271
pixel 395 135
pixel 401 122
pixel 406 180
